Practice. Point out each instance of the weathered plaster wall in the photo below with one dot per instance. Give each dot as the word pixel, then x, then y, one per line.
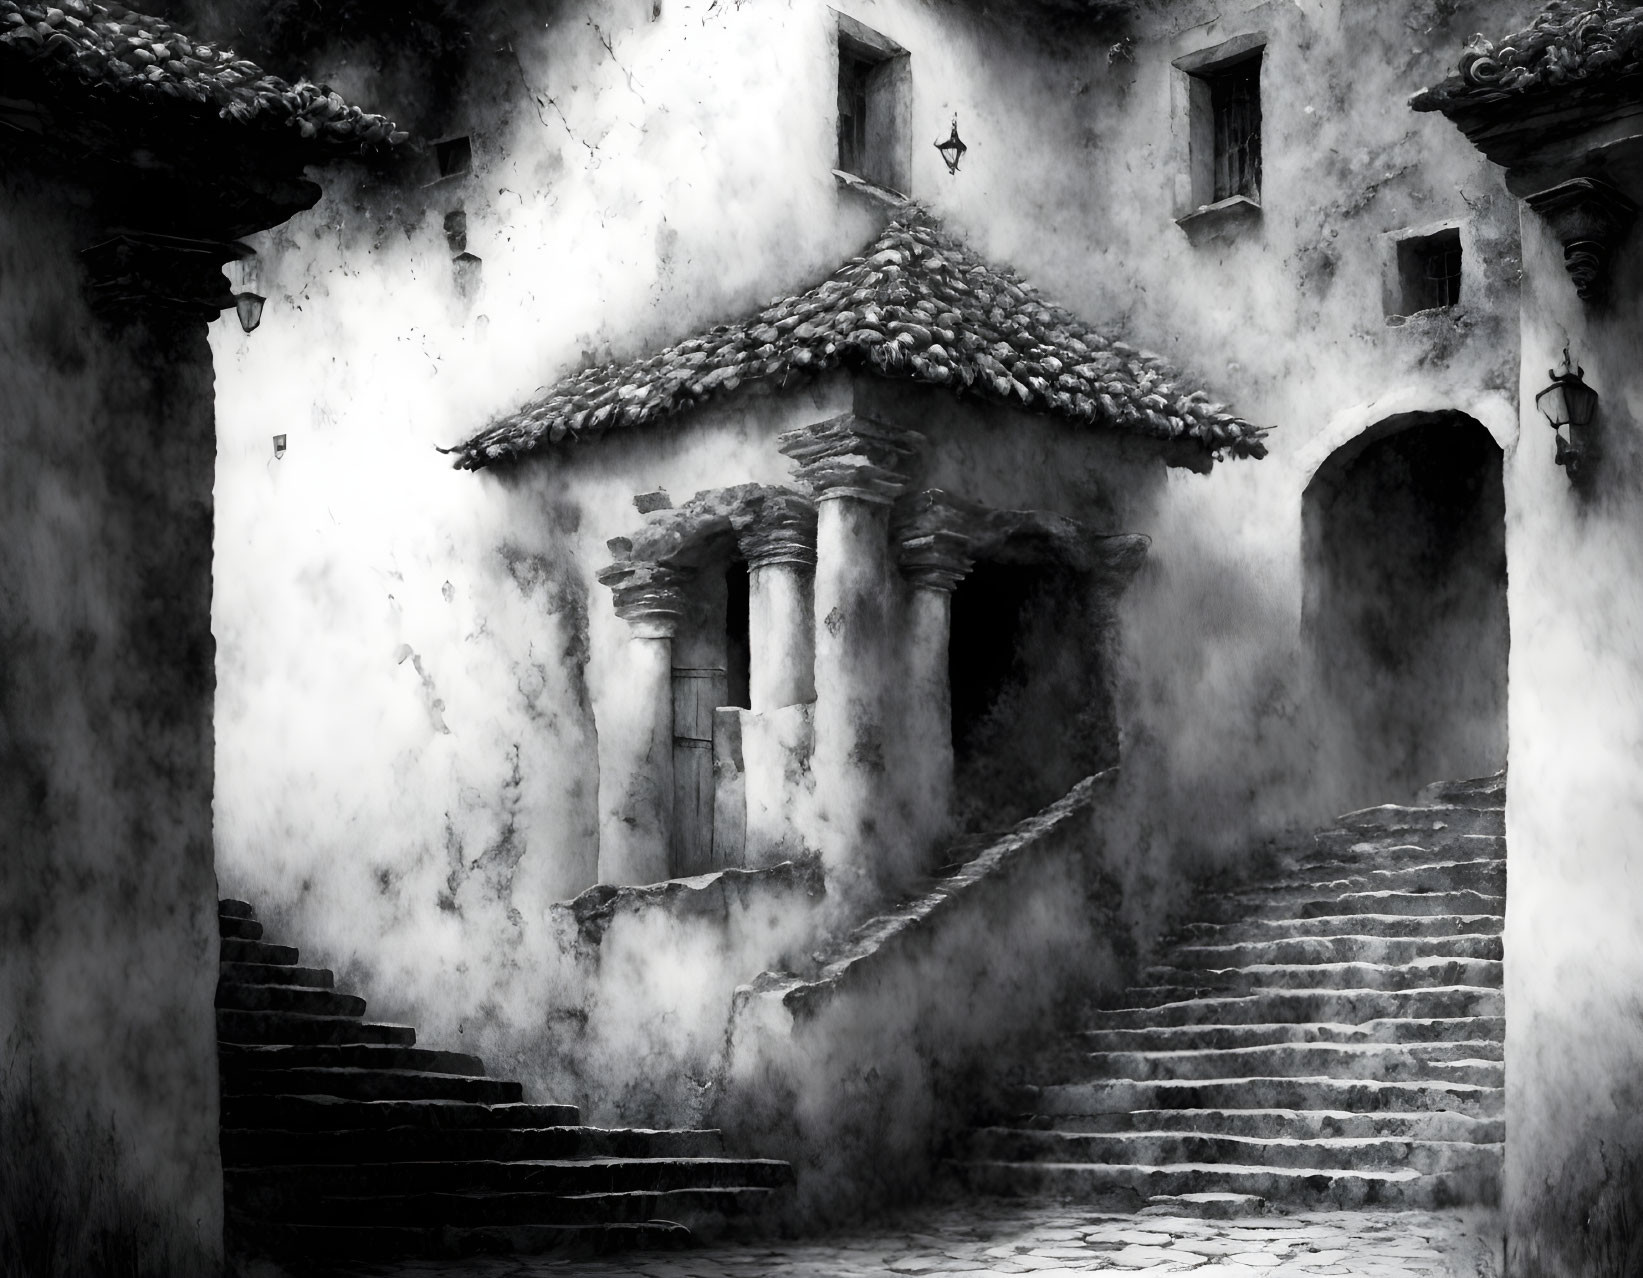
pixel 1574 1182
pixel 412 661
pixel 108 940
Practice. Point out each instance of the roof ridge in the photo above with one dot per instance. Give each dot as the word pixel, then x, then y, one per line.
pixel 917 304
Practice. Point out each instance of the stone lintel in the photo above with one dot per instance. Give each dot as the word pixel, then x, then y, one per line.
pixel 649 597
pixel 777 528
pixel 852 456
pixel 1590 218
pixel 134 270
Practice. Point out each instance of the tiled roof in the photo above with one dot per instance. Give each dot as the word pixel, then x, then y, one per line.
pixel 111 50
pixel 1569 45
pixel 917 305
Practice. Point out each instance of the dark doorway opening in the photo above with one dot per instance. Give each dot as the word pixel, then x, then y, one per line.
pixel 1032 706
pixel 738 641
pixel 1405 606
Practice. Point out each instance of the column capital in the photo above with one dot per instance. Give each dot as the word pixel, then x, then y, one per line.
pixel 852 456
pixel 649 597
pixel 777 528
pixel 935 538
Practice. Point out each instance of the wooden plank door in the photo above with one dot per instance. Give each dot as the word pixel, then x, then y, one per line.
pixel 696 694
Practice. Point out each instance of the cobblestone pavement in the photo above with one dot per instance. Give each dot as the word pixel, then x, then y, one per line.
pixel 1054 1241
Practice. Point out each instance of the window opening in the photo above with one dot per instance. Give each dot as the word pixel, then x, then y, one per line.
pixel 854 71
pixel 1235 105
pixel 1430 270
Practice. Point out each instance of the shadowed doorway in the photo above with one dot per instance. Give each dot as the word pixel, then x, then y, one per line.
pixel 1405 606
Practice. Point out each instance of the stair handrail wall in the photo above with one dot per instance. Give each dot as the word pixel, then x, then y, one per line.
pixel 861 1073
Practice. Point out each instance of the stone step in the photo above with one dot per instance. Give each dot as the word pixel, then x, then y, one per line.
pixel 464 1210
pixel 239 1056
pixel 317 978
pixel 1013 1145
pixel 1479 792
pixel 275 1188
pixel 239 929
pixel 288 998
pixel 1206 1206
pixel 1287 905
pixel 333 1243
pixel 1426 973
pixel 251 1148
pixel 1338 949
pixel 1362 1096
pixel 256 952
pixel 1395 818
pixel 332 1113
pixel 297 1027
pixel 1382 851
pixel 1479 1063
pixel 235 910
pixel 370 1084
pixel 1322 879
pixel 1482 1029
pixel 1313 1187
pixel 1269 1124
pixel 1377 925
pixel 1278 1006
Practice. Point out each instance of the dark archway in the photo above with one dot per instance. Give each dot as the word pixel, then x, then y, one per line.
pixel 1405 605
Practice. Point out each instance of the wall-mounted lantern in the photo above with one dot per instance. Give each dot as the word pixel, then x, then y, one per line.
pixel 248 306
pixel 953 149
pixel 1569 404
pixel 279 447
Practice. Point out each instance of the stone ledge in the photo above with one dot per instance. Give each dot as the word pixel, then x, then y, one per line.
pixel 1213 221
pixel 705 895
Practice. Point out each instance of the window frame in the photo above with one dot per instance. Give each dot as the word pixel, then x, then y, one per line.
pixel 884 136
pixel 1197 76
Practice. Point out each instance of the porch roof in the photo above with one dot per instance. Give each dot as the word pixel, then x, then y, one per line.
pixel 918 306
pixel 107 54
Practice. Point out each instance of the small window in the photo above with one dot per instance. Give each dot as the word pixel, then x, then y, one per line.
pixel 875 105
pixel 454 157
pixel 1221 97
pixel 1235 103
pixel 1429 268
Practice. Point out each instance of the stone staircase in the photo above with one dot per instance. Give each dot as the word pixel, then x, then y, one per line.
pixel 343 1140
pixel 1329 1035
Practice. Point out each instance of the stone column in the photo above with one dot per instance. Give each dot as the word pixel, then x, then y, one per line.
pixel 933 562
pixel 636 735
pixel 848 463
pixel 778 539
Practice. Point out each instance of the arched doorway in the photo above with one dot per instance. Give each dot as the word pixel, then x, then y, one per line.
pixel 1405 605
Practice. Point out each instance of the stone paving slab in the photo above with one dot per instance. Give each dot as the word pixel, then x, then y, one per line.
pixel 1054 1241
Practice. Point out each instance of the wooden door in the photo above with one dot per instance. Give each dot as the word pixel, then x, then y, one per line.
pixel 696 694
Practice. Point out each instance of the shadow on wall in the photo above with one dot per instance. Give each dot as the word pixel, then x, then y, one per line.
pixel 1404 616
pixel 64 1209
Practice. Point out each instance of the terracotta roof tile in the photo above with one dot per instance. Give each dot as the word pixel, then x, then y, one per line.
pixel 917 305
pixel 1568 45
pixel 109 49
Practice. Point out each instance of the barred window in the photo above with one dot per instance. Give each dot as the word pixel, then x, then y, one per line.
pixel 875 107
pixel 1429 268
pixel 1235 104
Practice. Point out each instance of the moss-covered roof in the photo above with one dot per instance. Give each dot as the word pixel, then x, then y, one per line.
pixel 1569 45
pixel 121 55
pixel 917 306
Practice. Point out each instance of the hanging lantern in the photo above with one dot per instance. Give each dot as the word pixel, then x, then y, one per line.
pixel 248 306
pixel 953 149
pixel 1569 405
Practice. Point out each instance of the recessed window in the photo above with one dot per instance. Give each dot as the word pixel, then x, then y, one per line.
pixel 1235 104
pixel 875 94
pixel 1222 97
pixel 454 157
pixel 1429 270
